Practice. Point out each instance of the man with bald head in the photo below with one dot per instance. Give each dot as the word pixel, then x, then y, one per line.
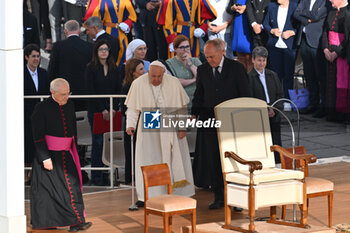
pixel 56 189
pixel 68 60
pixel 154 95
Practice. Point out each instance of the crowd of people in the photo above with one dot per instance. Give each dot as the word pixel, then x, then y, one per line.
pixel 176 54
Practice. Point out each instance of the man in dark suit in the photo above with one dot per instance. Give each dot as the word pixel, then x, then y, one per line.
pixel 35 83
pixel 94 29
pixel 265 85
pixel 218 80
pixel 30 28
pixel 311 14
pixel 68 60
pixel 256 11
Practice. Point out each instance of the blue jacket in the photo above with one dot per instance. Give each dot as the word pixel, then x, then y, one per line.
pixel 270 22
pixel 317 15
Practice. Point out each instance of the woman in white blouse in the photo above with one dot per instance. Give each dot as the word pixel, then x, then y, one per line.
pixel 281 28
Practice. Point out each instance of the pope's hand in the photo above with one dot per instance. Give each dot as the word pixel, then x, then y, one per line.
pixel 130 131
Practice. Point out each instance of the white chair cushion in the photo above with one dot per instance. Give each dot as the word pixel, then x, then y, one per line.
pixel 168 203
pixel 318 185
pixel 265 175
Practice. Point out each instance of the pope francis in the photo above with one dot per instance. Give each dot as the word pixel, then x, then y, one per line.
pixel 159 94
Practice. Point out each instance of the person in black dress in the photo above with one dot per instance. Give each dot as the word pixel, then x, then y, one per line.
pixel 102 78
pixel 56 192
pixel 334 40
pixel 134 68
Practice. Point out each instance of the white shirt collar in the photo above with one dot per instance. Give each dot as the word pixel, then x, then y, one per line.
pixel 220 65
pixel 260 74
pixel 31 72
pixel 73 35
pixel 222 62
pixel 99 33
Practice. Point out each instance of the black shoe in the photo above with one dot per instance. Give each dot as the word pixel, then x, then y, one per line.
pixel 237 209
pixel 82 226
pixel 85 225
pixel 319 114
pixel 140 204
pixel 73 229
pixel 217 205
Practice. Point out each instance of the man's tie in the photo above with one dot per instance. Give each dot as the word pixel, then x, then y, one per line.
pixel 217 73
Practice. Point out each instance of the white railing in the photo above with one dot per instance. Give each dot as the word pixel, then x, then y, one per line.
pixel 110 168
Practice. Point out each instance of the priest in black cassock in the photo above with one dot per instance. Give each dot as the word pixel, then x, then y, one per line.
pixel 56 190
pixel 334 41
pixel 218 80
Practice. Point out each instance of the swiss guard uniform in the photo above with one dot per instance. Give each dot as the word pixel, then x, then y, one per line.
pixel 114 15
pixel 186 17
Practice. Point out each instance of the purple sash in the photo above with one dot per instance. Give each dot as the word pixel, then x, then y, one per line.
pixel 66 144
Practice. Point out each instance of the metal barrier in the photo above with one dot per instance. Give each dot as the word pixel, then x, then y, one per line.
pixel 110 168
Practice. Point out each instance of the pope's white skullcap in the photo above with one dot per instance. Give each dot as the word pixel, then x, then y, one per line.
pixel 157 63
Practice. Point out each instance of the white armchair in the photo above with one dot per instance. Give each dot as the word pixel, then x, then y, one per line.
pixel 251 180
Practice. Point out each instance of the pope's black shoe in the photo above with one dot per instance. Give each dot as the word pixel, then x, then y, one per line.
pixel 217 204
pixel 82 226
pixel 140 203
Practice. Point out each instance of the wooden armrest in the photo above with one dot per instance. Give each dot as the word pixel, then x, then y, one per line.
pixel 253 165
pixel 309 158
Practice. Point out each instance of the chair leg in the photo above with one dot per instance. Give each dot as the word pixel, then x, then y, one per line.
pixel 193 221
pixel 251 208
pixel 330 209
pixel 227 208
pixel 284 211
pixel 166 223
pixel 170 223
pixel 273 213
pixel 303 207
pixel 307 206
pixel 146 222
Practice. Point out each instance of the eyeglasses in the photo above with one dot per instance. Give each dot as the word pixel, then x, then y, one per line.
pixel 34 56
pixel 184 47
pixel 103 49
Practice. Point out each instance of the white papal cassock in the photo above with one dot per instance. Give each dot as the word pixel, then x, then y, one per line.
pixel 164 145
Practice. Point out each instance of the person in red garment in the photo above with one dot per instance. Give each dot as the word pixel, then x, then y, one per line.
pixel 56 192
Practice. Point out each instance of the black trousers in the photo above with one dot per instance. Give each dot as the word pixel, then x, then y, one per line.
pixel 314 72
pixel 282 61
pixel 276 137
